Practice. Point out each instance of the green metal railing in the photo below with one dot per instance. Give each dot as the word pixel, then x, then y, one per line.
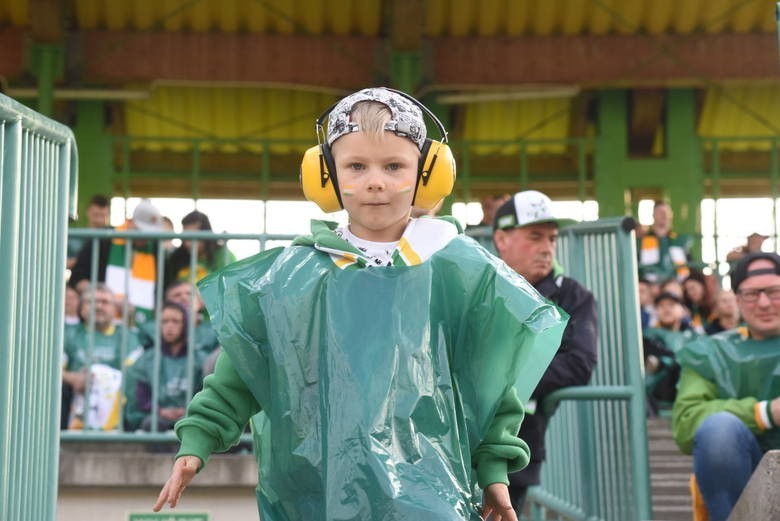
pixel 38 179
pixel 597 460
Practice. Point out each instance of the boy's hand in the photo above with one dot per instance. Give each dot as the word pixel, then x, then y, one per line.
pixel 184 469
pixel 496 504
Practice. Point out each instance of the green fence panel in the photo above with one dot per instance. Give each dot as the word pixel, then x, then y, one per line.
pixel 597 459
pixel 37 181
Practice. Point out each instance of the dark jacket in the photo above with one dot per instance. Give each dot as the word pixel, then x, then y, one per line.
pixel 82 269
pixel 572 365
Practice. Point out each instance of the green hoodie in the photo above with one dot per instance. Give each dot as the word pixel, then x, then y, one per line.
pixel 387 392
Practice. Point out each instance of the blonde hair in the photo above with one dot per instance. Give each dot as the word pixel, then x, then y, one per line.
pixel 371 116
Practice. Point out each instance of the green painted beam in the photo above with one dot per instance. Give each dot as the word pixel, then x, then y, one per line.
pixel 96 170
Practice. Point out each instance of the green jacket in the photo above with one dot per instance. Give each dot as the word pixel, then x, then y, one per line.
pixel 381 389
pixel 726 372
pixel 82 348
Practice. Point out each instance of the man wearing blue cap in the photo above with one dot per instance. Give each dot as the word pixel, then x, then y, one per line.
pixel 727 410
pixel 526 232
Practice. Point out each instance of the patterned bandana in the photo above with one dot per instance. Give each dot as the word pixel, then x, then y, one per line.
pixel 406 119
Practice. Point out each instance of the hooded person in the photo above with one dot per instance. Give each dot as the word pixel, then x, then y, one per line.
pixel 727 410
pixel 388 359
pixel 174 388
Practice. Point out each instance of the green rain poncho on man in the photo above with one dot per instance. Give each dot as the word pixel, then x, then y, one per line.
pixel 386 393
pixel 727 372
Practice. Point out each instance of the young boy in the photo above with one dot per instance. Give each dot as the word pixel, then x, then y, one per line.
pixel 389 357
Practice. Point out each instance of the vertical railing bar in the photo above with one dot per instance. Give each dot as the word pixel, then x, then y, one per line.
pixel 158 297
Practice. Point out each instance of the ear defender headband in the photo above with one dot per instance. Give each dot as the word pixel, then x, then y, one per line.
pixel 435 173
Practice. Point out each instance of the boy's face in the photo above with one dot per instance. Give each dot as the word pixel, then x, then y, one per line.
pixel 377 180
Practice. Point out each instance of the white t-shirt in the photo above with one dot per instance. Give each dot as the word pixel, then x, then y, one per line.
pixel 378 253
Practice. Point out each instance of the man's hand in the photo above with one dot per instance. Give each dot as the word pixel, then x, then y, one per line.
pixel 496 504
pixel 184 470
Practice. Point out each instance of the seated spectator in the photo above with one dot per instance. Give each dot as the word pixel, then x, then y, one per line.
pixel 726 313
pixel 727 410
pixel 672 286
pixel 646 307
pixel 173 376
pixel 660 345
pixel 698 300
pixel 212 254
pixel 185 294
pixel 93 355
pixel 755 242
pixel 140 276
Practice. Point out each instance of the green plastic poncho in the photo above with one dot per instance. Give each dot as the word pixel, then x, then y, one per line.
pixel 377 384
pixel 741 370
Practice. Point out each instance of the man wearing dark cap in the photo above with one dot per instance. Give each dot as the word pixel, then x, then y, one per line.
pixel 727 410
pixel 525 235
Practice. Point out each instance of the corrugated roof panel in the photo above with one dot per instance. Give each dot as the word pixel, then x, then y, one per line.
pixel 546 17
pixel 570 17
pixel 489 22
pixel 290 17
pixel 225 113
pixel 14 12
pixel 517 119
pixel 462 14
pixel 741 111
pixel 518 18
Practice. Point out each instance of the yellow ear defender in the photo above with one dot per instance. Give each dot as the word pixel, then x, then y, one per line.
pixel 435 174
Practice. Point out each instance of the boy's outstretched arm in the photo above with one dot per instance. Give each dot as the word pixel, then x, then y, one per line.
pixel 215 419
pixel 501 451
pixel 184 469
pixel 496 503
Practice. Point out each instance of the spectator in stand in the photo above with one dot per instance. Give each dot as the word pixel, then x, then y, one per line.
pixel 697 298
pixel 174 390
pixel 141 275
pixel 91 346
pixel 186 295
pixel 672 286
pixel 726 313
pixel 98 212
pixel 525 236
pixel 646 298
pixel 662 252
pixel 72 299
pixel 727 410
pixel 755 242
pixel 660 344
pixel 212 254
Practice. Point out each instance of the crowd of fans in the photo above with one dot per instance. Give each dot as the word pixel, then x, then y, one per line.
pixel 127 363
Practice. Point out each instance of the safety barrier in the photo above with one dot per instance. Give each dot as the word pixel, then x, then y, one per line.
pixel 597 459
pixel 38 175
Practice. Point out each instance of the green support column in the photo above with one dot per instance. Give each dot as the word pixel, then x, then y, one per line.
pixel 95 166
pixel 677 176
pixel 610 154
pixel 46 65
pixel 406 70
